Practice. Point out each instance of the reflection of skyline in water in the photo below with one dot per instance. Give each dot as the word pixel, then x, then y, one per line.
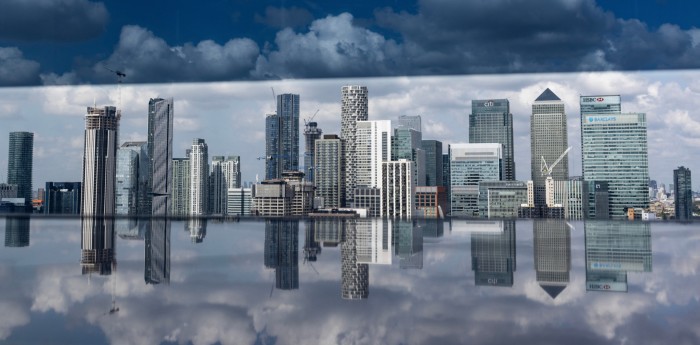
pixel 157 251
pixel 17 232
pixel 282 252
pixel 409 244
pixel 197 227
pixel 612 250
pixel 354 275
pixel 552 251
pixel 98 252
pixel 229 299
pixel 493 252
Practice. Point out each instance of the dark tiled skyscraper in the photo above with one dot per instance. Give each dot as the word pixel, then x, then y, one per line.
pixel 19 165
pixel 282 137
pixel 311 134
pixel 433 162
pixel 160 151
pixel 683 193
pixel 492 122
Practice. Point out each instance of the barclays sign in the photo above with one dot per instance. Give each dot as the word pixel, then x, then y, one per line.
pixel 592 119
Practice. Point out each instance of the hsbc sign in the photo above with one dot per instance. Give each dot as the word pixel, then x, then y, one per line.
pixel 600 99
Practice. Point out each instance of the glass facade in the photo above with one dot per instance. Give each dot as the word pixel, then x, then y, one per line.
pixel 614 149
pixel 492 122
pixel 501 199
pixel 20 165
pixel 683 193
pixel 433 162
pixel 469 165
pixel 548 140
pixel 127 190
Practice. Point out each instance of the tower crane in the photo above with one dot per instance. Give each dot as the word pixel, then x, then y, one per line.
pixel 120 77
pixel 306 122
pixel 549 182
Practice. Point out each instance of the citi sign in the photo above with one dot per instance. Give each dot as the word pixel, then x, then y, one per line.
pixel 592 119
pixel 592 99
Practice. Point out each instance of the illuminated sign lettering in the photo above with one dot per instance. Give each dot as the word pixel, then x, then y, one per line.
pixel 488 104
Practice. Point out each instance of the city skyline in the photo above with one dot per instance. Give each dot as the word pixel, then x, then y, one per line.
pixel 656 94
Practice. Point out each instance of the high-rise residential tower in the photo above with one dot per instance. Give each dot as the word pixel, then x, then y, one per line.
pixel 372 147
pixel 311 134
pixel 100 160
pixel 160 152
pixel 128 177
pixel 225 174
pixel 20 166
pixel 683 193
pixel 354 108
pixel 282 137
pixel 199 175
pixel 181 187
pixel 614 149
pixel 433 162
pixel 330 171
pixel 548 140
pixel 492 122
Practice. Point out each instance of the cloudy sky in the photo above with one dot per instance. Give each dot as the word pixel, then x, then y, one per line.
pixel 219 291
pixel 432 57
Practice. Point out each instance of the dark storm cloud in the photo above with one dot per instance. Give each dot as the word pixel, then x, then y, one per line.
pixel 52 20
pixel 280 17
pixel 446 36
pixel 15 70
pixel 147 58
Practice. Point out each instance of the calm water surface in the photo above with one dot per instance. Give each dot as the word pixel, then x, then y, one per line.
pixel 367 281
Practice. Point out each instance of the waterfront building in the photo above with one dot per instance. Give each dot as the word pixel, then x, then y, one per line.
pixel 282 252
pixel 397 189
pixel 446 175
pixel 409 244
pixel 311 134
pixel 20 165
pixel 225 174
pixel 62 198
pixel 181 187
pixel 469 165
pixel 548 140
pixel 272 198
pixel 614 150
pixel 157 251
pixel 433 162
pixel 372 147
pixel 683 193
pixel 133 169
pixel 282 137
pixel 329 174
pixel 302 193
pixel 354 108
pixel 160 152
pixel 370 199
pixel 492 122
pixel 8 191
pixel 431 202
pixel 100 161
pixel 501 199
pixel 199 175
pixel 240 201
pixel 406 143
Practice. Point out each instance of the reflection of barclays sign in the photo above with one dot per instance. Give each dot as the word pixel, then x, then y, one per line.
pixel 606 265
pixel 592 119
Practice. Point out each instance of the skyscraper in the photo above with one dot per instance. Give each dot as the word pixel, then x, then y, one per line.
pixel 354 275
pixel 282 137
pixel 406 144
pixel 133 168
pixel 548 140
pixel 492 122
pixel 311 134
pixel 19 165
pixel 62 198
pixel 493 253
pixel 157 251
pixel 354 108
pixel 683 193
pixel 199 175
pixel 614 149
pixel 372 147
pixel 225 174
pixel 181 187
pixel 160 151
pixel 433 162
pixel 100 162
pixel 330 171
pixel 397 189
pixel 410 122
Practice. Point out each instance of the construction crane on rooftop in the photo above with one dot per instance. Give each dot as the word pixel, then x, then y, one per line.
pixel 120 78
pixel 549 182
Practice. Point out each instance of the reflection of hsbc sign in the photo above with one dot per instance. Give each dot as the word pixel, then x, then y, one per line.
pixel 488 104
pixel 606 286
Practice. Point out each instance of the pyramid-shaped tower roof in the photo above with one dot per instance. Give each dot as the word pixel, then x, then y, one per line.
pixel 548 95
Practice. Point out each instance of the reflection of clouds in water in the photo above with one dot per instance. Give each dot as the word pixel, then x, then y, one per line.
pixel 606 313
pixel 13 314
pixel 59 287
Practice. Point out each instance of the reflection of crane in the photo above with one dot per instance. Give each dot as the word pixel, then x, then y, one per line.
pixel 114 309
pixel 549 182
pixel 310 264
